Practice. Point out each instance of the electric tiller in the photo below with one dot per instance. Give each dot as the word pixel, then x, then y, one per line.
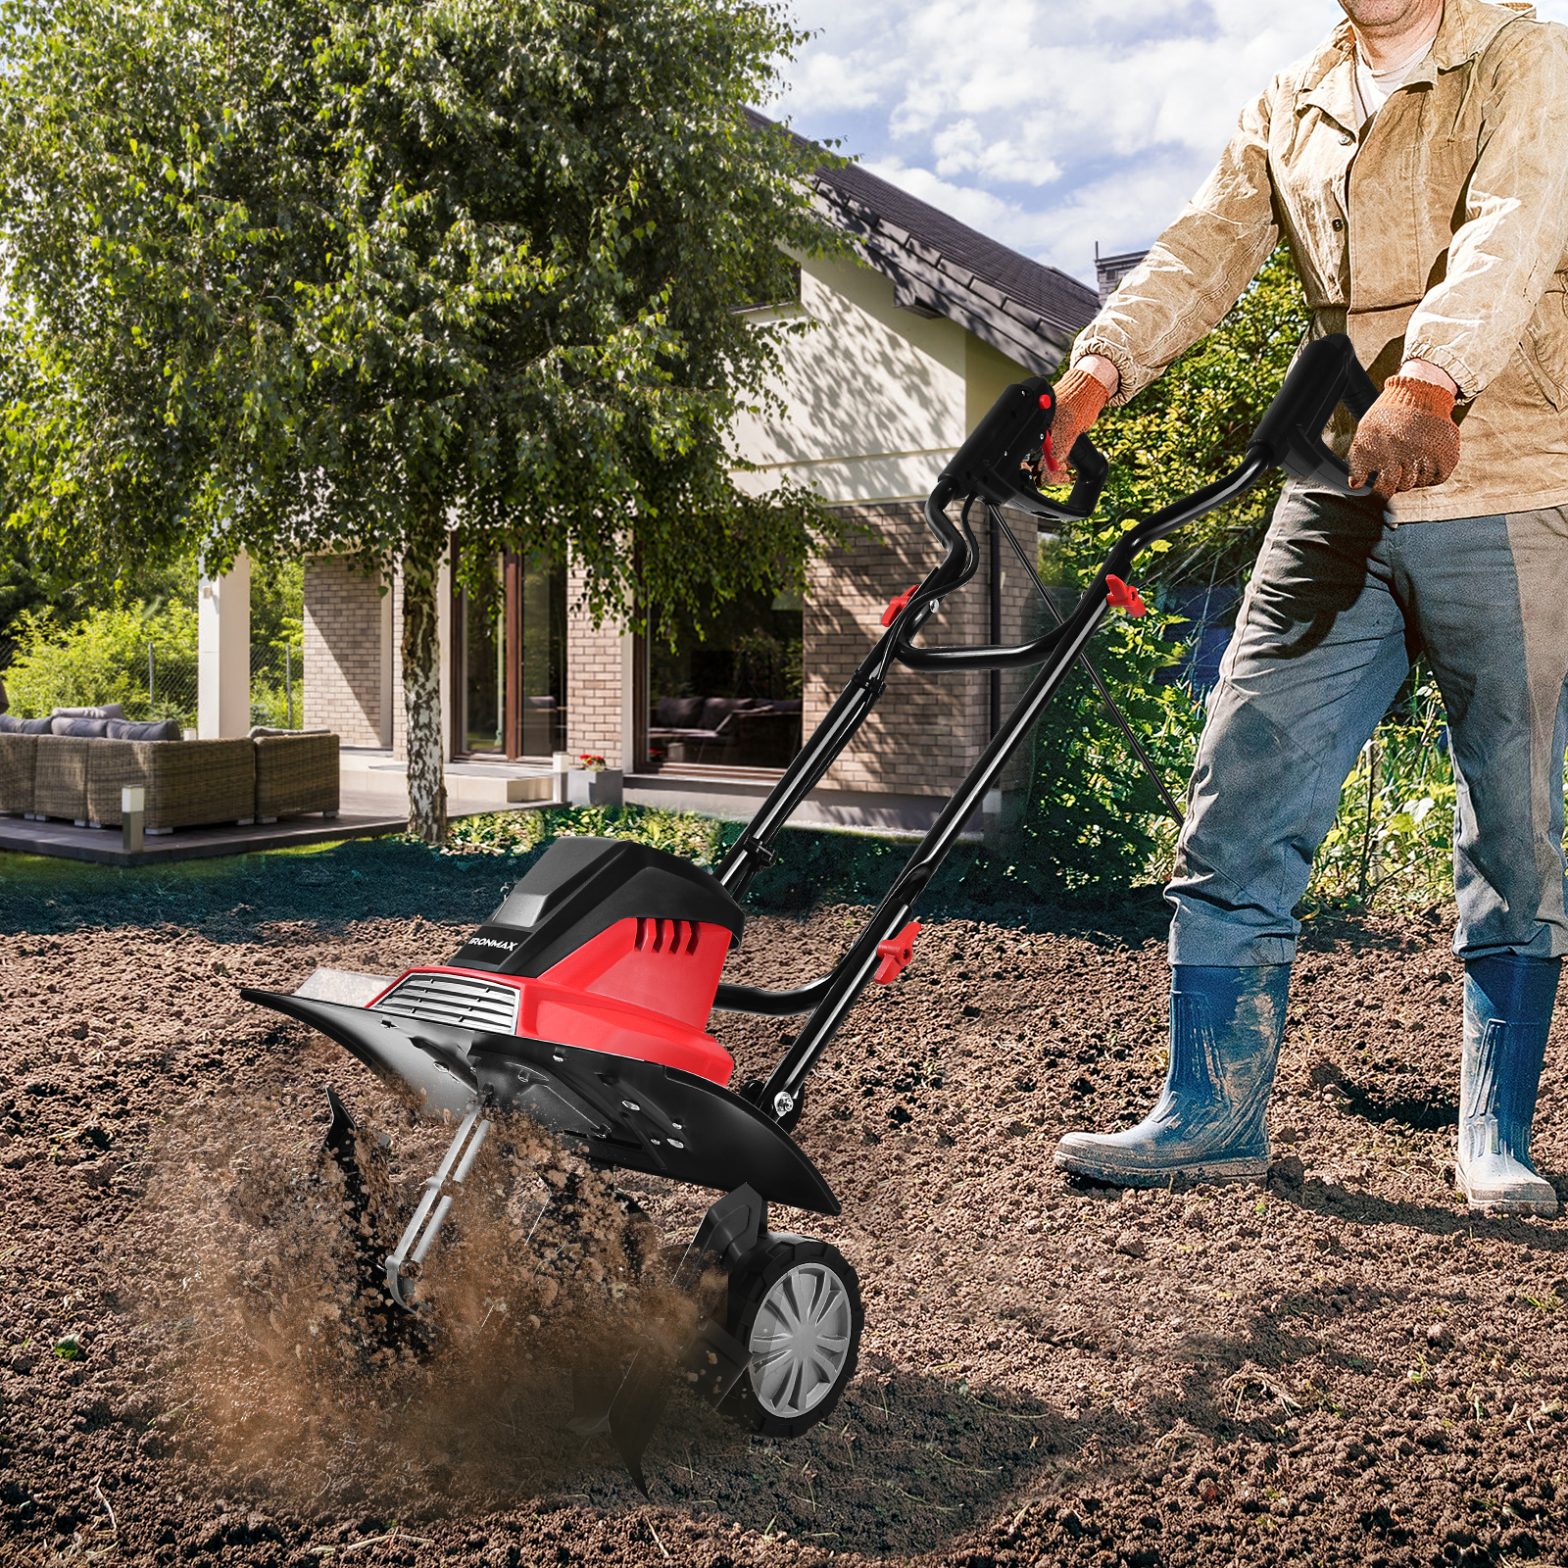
pixel 584 1000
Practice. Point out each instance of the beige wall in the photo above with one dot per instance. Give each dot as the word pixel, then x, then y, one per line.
pixel 344 664
pixel 878 399
pixel 927 730
pixel 353 654
pixel 594 660
pixel 877 396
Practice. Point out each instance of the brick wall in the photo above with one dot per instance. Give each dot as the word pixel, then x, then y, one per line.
pixel 343 651
pixel 593 677
pixel 927 730
pixel 399 725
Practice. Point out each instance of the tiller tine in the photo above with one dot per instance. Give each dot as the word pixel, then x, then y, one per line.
pixel 629 1409
pixel 341 1144
pixel 430 1215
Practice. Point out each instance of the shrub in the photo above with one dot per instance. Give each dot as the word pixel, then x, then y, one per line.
pixel 1394 832
pixel 103 658
pixel 521 832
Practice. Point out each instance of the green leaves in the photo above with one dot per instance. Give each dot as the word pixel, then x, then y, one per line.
pixel 1097 821
pixel 311 274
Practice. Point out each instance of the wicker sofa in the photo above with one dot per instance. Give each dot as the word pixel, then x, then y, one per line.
pixel 188 783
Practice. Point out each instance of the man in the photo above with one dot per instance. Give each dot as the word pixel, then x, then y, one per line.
pixel 1417 164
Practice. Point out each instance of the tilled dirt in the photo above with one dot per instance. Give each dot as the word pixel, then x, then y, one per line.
pixel 1341 1366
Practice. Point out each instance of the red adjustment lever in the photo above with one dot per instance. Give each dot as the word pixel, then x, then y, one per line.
pixel 1123 596
pixel 896 953
pixel 895 607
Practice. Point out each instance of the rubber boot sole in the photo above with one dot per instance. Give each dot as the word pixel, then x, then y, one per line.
pixel 1110 1174
pixel 1543 1207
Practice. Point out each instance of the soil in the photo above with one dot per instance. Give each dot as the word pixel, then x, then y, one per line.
pixel 1340 1365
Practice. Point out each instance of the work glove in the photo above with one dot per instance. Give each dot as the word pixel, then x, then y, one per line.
pixel 1080 399
pixel 1408 439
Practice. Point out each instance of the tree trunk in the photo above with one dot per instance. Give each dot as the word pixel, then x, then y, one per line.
pixel 422 698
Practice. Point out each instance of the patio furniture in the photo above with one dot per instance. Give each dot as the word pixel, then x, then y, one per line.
pixel 763 730
pixel 18 760
pixel 295 774
pixel 188 783
pixel 59 776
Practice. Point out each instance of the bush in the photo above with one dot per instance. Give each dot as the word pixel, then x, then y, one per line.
pixel 521 832
pixel 1095 819
pixel 1394 832
pixel 103 658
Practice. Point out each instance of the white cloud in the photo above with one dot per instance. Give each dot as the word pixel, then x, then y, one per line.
pixel 962 148
pixel 1047 124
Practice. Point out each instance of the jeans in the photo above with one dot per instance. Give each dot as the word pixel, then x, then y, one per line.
pixel 1339 603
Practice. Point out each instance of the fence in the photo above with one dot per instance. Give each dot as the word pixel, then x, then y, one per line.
pixel 277 688
pixel 159 681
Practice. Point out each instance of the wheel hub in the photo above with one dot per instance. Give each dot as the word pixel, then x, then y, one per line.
pixel 800 1340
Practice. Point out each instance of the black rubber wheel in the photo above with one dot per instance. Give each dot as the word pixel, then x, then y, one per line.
pixel 794 1304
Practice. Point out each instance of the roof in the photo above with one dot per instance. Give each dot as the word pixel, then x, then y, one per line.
pixel 941 267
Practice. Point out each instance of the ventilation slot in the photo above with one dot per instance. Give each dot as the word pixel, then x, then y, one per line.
pixel 463 1000
pixel 667 936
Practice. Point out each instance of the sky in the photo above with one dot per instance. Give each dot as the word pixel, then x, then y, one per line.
pixel 1049 125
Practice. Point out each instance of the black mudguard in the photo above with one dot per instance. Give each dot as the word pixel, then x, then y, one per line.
pixel 619 1111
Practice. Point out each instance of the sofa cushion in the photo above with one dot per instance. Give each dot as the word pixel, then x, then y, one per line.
pixel 678 713
pixel 82 729
pixel 11 725
pixel 263 731
pixel 150 729
pixel 715 710
pixel 110 710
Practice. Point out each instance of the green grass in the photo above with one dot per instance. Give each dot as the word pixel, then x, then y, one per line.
pixel 335 884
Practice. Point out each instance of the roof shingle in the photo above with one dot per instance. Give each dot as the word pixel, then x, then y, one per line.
pixel 1022 308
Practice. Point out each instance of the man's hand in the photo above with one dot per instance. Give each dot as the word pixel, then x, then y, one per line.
pixel 1408 439
pixel 1081 396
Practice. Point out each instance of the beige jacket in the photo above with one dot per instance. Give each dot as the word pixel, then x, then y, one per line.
pixel 1440 234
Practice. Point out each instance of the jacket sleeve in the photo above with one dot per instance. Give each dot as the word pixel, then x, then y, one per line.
pixel 1515 229
pixel 1197 268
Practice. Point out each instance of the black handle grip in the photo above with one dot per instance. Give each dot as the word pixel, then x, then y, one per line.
pixel 1091 468
pixel 990 463
pixel 1290 435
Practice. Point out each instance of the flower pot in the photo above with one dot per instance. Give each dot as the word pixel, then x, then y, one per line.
pixel 599 787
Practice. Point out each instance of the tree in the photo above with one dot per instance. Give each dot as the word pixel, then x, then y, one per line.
pixel 1097 818
pixel 295 275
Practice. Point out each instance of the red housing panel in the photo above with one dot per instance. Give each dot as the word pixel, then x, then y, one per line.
pixel 641 988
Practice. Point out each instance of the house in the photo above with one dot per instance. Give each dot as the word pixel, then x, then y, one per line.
pixel 1110 270
pixel 919 332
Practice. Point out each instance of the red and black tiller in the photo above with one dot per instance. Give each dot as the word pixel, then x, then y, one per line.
pixel 584 1000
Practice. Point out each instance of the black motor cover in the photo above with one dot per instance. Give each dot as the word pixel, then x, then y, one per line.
pixel 582 886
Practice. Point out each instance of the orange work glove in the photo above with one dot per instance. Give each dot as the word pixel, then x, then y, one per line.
pixel 1408 439
pixel 1080 399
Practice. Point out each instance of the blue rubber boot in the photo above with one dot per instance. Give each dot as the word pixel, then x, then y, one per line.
pixel 1508 1015
pixel 1209 1123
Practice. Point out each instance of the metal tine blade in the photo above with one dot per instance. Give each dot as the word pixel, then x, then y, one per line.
pixel 434 1205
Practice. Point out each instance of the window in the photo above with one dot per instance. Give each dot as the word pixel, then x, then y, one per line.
pixel 729 698
pixel 509 659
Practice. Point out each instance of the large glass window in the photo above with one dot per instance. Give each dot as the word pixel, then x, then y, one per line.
pixel 509 635
pixel 729 698
pixel 540 589
pixel 481 624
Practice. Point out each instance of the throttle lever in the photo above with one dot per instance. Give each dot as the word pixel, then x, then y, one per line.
pixel 990 464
